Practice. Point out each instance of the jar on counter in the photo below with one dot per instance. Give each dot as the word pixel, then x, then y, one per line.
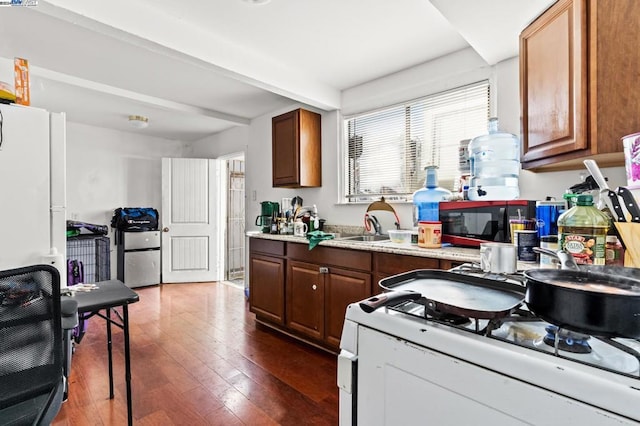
pixel 614 252
pixel 430 234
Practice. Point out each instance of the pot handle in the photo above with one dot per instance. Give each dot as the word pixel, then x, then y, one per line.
pixel 384 299
pixel 566 259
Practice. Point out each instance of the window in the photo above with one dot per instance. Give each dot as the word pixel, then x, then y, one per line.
pixel 386 151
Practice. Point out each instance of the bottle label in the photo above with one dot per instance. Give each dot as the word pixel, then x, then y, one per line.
pixel 586 249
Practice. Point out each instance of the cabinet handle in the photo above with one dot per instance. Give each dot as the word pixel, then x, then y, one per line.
pixel 314 286
pixel 324 270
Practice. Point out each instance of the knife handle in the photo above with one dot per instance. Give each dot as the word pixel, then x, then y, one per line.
pixel 630 203
pixel 617 208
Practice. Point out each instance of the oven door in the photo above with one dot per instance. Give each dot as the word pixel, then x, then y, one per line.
pixel 400 383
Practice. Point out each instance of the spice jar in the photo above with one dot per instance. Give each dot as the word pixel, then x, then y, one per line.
pixel 614 252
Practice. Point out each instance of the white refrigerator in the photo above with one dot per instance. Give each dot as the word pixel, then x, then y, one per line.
pixel 32 188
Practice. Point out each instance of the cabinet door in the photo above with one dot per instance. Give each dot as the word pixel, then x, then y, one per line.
pixel 305 299
pixel 296 153
pixel 342 287
pixel 553 82
pixel 266 287
pixel 286 154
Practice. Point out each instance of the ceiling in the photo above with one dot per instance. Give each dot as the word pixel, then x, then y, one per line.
pixel 197 67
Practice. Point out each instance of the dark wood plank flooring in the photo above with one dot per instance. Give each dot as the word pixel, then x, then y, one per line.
pixel 198 358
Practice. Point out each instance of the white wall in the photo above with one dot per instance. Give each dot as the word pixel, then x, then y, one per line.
pixel 451 71
pixel 107 169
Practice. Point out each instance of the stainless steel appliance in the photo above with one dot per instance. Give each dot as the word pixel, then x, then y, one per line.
pixel 415 361
pixel 139 258
pixel 470 223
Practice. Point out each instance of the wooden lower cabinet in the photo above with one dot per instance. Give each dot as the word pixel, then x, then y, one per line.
pixel 306 293
pixel 317 298
pixel 266 279
pixel 341 288
pixel 305 299
pixel 266 287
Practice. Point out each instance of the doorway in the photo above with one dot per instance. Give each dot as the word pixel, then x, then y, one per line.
pixel 235 223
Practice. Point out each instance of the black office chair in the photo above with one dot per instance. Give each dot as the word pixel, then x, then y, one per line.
pixel 32 347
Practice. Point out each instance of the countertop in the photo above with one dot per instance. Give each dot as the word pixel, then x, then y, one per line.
pixel 459 254
pixel 448 253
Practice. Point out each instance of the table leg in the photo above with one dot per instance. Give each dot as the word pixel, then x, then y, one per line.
pixel 110 354
pixel 127 361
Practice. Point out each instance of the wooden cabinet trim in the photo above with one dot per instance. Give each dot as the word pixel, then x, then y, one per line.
pixel 268 247
pixel 331 256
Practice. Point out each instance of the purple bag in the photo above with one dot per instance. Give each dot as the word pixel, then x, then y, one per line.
pixel 75 272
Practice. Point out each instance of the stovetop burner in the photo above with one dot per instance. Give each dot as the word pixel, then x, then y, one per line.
pixel 566 340
pixel 522 328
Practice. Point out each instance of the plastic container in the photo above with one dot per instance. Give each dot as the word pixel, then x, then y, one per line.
pixel 430 234
pixel 495 165
pixel 426 201
pixel 400 236
pixel 582 231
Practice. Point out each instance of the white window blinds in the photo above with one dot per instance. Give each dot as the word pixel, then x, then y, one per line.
pixel 386 151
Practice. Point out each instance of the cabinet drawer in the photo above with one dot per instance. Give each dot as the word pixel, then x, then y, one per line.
pixel 274 248
pixel 391 264
pixel 352 259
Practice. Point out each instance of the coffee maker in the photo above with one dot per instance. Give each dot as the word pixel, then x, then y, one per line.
pixel 269 211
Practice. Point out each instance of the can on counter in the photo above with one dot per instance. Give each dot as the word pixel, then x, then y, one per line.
pixel 430 234
pixel 547 213
pixel 526 240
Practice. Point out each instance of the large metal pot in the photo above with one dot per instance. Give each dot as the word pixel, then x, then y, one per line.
pixel 601 301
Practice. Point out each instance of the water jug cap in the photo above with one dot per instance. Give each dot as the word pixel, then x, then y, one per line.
pixel 492 126
pixel 432 176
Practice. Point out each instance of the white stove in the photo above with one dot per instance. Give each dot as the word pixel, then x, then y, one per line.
pixel 399 366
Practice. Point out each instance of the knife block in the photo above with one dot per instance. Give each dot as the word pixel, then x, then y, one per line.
pixel 630 234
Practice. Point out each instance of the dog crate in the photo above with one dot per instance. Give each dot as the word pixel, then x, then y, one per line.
pixel 93 251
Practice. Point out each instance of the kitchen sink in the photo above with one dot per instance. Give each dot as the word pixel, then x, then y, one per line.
pixel 366 238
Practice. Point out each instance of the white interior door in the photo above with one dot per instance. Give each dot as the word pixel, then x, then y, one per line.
pixel 191 238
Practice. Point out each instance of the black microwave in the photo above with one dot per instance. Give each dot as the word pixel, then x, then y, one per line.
pixel 470 223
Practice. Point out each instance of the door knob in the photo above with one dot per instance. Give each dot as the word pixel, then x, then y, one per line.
pixel 314 287
pixel 165 229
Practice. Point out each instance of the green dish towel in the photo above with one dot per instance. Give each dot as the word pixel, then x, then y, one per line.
pixel 316 236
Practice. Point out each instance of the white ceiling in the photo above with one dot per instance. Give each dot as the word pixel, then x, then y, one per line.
pixel 197 67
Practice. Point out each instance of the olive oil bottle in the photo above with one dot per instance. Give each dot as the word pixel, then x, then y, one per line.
pixel 582 232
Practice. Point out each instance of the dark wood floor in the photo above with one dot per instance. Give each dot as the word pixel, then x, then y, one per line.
pixel 198 358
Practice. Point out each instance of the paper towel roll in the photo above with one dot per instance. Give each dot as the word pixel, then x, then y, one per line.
pixel 56 260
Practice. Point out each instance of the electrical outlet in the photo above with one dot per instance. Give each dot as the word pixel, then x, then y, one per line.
pixel 254 195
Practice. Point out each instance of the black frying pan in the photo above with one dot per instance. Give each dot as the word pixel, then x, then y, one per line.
pixel 449 293
pixel 593 301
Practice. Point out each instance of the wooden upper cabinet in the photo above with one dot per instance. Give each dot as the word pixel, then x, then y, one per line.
pixel 578 83
pixel 296 155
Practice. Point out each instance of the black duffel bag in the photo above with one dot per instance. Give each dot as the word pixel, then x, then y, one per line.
pixel 135 219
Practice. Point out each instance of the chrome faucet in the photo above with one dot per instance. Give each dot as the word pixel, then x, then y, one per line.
pixel 373 221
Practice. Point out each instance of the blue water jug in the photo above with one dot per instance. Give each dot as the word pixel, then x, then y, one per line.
pixel 426 201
